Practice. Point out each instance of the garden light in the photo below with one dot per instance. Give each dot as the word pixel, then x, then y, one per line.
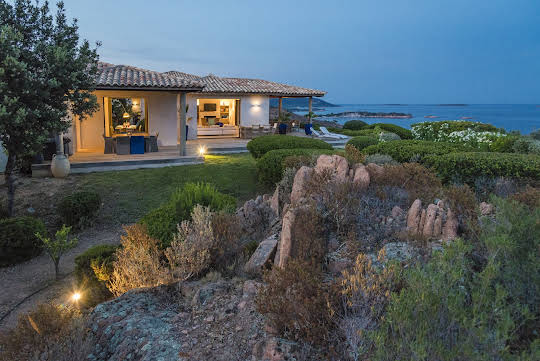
pixel 202 150
pixel 75 297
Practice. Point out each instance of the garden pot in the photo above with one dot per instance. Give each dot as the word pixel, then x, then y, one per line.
pixel 60 166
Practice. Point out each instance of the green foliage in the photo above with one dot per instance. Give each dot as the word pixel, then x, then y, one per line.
pixel 270 166
pixel 380 159
pixel 261 145
pixel 535 134
pixel 161 222
pixel 467 167
pixel 56 247
pixel 356 133
pixel 361 142
pixel 98 258
pixel 471 302
pixel 526 145
pixel 354 124
pixel 403 150
pixel 79 209
pixel 504 144
pixel 402 132
pixel 45 69
pixel 387 136
pixel 18 241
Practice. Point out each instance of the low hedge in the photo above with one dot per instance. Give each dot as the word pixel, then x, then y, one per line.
pixel 467 167
pixel 433 130
pixel 362 141
pixel 161 222
pixel 404 150
pixel 355 133
pixel 18 241
pixel 354 124
pixel 392 128
pixel 79 209
pixel 261 145
pixel 270 166
pixel 93 287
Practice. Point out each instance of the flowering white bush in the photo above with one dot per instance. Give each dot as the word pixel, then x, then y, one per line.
pixel 467 134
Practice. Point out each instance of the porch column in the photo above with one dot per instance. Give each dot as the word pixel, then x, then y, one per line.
pixel 181 122
pixel 280 108
pixel 310 102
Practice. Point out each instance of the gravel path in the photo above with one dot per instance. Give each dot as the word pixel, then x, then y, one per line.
pixel 37 275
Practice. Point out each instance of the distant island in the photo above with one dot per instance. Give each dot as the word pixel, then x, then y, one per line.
pixel 393 115
pixel 298 104
pixel 452 105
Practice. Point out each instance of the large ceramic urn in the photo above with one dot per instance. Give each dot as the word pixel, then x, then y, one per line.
pixel 60 166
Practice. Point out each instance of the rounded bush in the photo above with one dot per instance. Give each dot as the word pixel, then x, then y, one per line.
pixel 270 166
pixel 435 130
pixel 405 150
pixel 362 141
pixel 79 209
pixel 98 258
pixel 388 136
pixel 392 128
pixel 380 159
pixel 526 145
pixel 262 145
pixel 161 222
pixel 504 144
pixel 467 167
pixel 354 124
pixel 18 241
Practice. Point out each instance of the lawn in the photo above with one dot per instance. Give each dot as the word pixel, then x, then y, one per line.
pixel 128 195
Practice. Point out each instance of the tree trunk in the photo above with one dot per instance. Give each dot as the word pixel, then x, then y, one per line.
pixel 10 182
pixel 57 269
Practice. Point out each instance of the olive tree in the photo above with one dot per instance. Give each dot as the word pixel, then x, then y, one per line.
pixel 46 73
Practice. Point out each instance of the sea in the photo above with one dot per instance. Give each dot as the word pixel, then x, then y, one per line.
pixel 521 117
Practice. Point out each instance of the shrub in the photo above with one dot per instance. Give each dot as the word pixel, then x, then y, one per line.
pixel 262 145
pixel 354 124
pixel 462 201
pixel 535 134
pixel 79 209
pixel 435 130
pixel 417 180
pixel 3 212
pixel 297 161
pixel 208 240
pixel 403 133
pixel 387 136
pixel 356 133
pixel 526 145
pixel 484 309
pixel 380 159
pixel 18 240
pixel 270 166
pixel 353 155
pixel 161 222
pixel 504 144
pixel 296 302
pixel 530 196
pixel 93 268
pixel 139 262
pixel 361 142
pixel 402 151
pixel 49 332
pixel 466 167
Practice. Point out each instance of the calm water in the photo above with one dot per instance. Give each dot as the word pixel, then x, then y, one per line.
pixel 522 117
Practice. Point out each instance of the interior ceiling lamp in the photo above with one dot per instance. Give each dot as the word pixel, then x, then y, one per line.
pixel 126 115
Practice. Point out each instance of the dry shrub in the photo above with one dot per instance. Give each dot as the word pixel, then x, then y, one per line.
pixel 297 161
pixel 296 302
pixel 138 262
pixel 50 332
pixel 307 234
pixel 419 181
pixel 353 155
pixel 530 196
pixel 365 291
pixel 462 201
pixel 209 240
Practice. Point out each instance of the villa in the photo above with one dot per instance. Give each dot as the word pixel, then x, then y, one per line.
pixel 175 107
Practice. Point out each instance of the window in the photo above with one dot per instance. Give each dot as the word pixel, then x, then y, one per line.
pixel 128 115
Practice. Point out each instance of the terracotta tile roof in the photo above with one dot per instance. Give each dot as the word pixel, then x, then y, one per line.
pixel 125 76
pixel 217 85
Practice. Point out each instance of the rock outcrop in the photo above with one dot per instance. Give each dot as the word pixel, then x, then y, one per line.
pixel 263 256
pixel 337 166
pixel 436 221
pixel 301 179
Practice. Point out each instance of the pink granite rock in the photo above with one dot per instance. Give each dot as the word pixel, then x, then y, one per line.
pixel 361 176
pixel 431 214
pixel 450 228
pixel 337 165
pixel 302 177
pixel 413 216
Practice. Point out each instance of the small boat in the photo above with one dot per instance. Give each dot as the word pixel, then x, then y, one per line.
pixel 464 118
pixel 430 116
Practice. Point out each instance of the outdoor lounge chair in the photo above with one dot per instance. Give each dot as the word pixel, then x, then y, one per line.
pixel 316 133
pixel 327 133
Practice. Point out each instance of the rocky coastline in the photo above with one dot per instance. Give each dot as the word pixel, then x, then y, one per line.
pixel 391 115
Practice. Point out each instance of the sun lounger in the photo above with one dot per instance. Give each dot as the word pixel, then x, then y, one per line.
pixel 316 133
pixel 327 133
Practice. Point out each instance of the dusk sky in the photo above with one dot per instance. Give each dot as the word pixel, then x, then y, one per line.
pixel 376 51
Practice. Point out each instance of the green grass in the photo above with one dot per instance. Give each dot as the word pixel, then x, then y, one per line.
pixel 128 195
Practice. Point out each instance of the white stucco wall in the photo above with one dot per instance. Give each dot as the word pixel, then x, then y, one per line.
pixel 254 110
pixel 162 117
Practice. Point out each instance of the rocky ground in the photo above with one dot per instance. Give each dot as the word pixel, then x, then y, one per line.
pixel 203 320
